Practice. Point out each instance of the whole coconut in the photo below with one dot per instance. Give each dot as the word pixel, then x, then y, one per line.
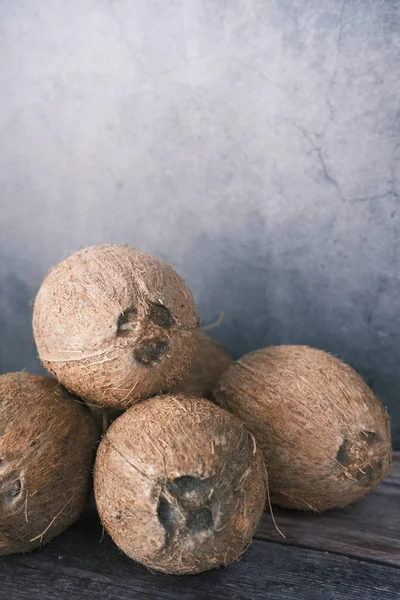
pixel 46 454
pixel 180 484
pixel 324 434
pixel 115 325
pixel 211 361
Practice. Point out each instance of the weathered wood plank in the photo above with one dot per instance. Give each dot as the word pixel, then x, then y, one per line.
pixel 370 529
pixel 78 566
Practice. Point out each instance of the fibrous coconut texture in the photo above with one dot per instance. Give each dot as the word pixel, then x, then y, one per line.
pixel 211 361
pixel 324 434
pixel 180 484
pixel 47 443
pixel 115 325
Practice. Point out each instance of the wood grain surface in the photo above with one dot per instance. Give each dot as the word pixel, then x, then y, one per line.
pixel 340 555
pixel 369 530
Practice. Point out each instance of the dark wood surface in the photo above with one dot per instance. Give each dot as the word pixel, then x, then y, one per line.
pixel 349 554
pixel 369 530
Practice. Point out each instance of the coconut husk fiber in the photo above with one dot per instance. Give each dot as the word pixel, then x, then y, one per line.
pixel 179 484
pixel 47 443
pixel 324 434
pixel 211 361
pixel 115 325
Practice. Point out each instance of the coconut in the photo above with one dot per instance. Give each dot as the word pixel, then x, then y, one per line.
pixel 211 361
pixel 46 454
pixel 324 434
pixel 179 484
pixel 115 325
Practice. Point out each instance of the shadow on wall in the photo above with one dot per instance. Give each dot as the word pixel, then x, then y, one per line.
pixel 19 351
pixel 271 297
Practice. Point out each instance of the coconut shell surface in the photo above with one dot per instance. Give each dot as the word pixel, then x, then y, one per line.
pixel 47 444
pixel 115 325
pixel 211 361
pixel 180 484
pixel 324 434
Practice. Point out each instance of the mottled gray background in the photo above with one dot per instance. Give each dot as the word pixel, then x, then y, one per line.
pixel 255 144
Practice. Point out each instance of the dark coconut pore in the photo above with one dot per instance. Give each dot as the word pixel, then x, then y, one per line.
pixel 324 434
pixel 46 455
pixel 179 484
pixel 188 493
pixel 115 325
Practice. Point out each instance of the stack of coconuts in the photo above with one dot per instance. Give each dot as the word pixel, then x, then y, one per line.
pixel 180 481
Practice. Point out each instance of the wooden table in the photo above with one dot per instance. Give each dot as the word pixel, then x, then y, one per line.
pixel 347 554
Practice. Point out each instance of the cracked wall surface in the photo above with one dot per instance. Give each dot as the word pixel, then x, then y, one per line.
pixel 254 144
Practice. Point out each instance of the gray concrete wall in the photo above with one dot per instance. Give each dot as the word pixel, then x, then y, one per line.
pixel 255 144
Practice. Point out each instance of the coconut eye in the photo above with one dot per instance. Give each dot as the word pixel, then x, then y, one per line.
pixel 13 488
pixel 167 515
pixel 161 315
pixel 3 464
pixel 16 488
pixel 151 352
pixel 124 321
pixel 187 486
pixel 369 437
pixel 343 455
pixel 200 520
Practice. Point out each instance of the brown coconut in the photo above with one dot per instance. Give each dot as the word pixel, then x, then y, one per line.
pixel 324 434
pixel 211 361
pixel 179 484
pixel 115 325
pixel 47 443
